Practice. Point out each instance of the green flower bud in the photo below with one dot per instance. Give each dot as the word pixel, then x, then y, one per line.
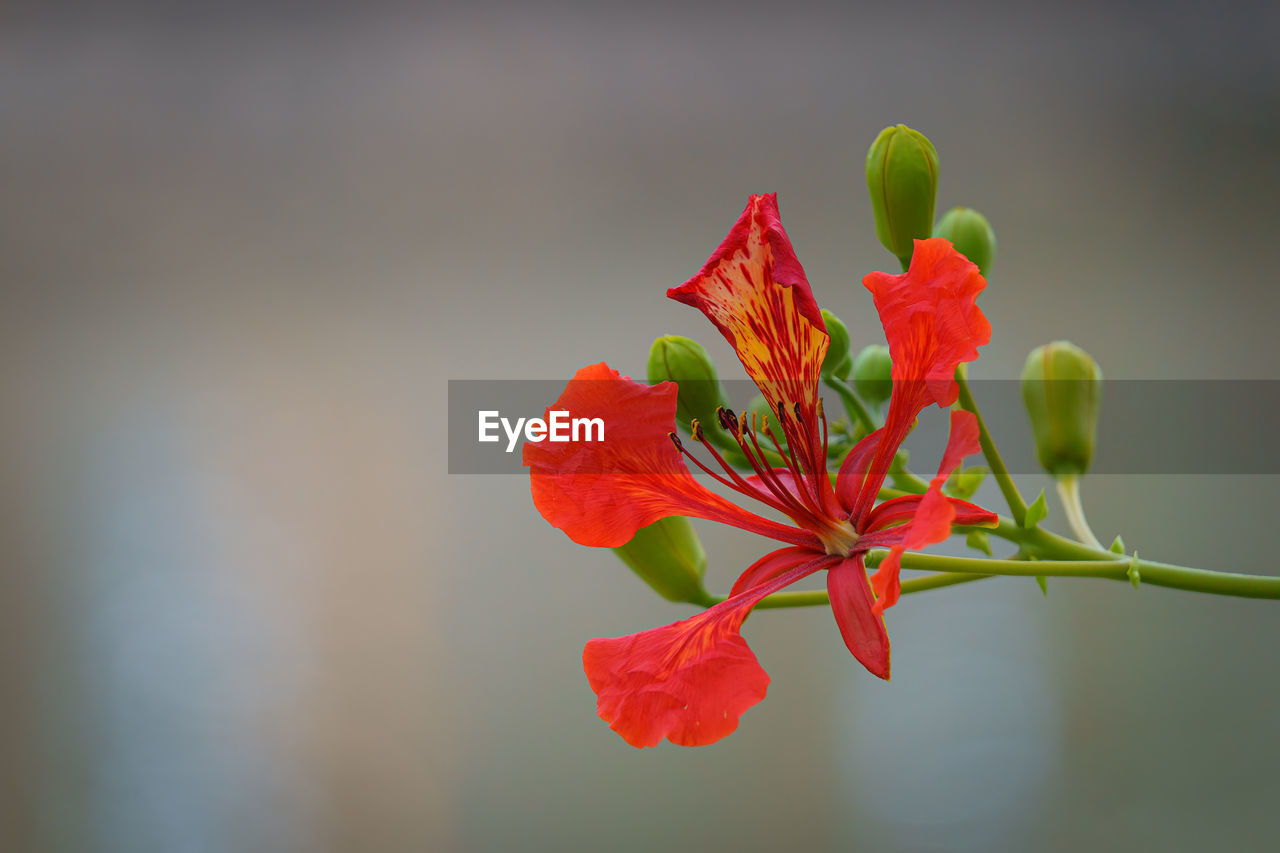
pixel 686 363
pixel 838 362
pixel 1062 388
pixel 668 556
pixel 872 370
pixel 971 234
pixel 760 407
pixel 902 178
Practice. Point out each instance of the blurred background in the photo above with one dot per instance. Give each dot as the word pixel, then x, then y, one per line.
pixel 244 606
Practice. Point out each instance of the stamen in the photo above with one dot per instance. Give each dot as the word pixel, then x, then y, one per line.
pixel 788 456
pixel 769 478
pixel 695 431
pixel 728 420
pixel 675 439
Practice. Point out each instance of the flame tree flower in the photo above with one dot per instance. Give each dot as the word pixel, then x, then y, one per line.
pixel 690 681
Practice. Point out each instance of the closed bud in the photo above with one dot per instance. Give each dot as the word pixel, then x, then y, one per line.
pixel 872 372
pixel 1062 388
pixel 971 234
pixel 684 361
pixel 838 362
pixel 902 178
pixel 668 556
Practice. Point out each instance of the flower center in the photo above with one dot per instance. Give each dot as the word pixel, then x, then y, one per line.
pixel 838 538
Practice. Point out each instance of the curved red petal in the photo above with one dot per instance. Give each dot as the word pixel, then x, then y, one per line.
pixel 860 622
pixel 853 471
pixel 962 441
pixel 775 564
pixel 898 510
pixel 886 581
pixel 931 318
pixel 689 681
pixel 934 513
pixel 755 291
pixel 933 324
pixel 601 492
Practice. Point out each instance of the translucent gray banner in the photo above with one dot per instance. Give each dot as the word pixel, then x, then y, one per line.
pixel 1225 427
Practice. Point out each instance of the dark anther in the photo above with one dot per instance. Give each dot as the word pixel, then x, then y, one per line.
pixel 675 439
pixel 695 429
pixel 728 420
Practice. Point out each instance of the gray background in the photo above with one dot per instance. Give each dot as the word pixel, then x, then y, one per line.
pixel 244 605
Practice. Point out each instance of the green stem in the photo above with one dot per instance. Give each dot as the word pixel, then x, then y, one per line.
pixel 1069 493
pixel 1118 569
pixel 818 597
pixel 904 479
pixel 1061 557
pixel 1012 496
pixel 852 404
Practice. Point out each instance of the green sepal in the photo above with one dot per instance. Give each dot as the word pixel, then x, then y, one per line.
pixel 979 541
pixel 668 556
pixel 1036 512
pixel 964 482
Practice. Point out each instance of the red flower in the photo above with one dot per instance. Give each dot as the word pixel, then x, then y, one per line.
pixel 691 680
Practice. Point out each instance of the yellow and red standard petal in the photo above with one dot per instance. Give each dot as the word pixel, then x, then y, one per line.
pixel 601 492
pixel 690 681
pixel 860 621
pixel 934 513
pixel 755 291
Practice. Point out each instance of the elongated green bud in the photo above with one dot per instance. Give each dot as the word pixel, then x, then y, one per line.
pixel 668 556
pixel 1062 388
pixel 902 178
pixel 838 362
pixel 872 370
pixel 971 234
pixel 686 363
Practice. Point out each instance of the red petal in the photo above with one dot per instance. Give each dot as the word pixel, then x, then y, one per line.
pixel 963 441
pixel 853 471
pixel 755 291
pixel 689 681
pixel 602 492
pixel 860 622
pixel 902 509
pixel 935 512
pixel 931 318
pixel 773 565
pixel 933 324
